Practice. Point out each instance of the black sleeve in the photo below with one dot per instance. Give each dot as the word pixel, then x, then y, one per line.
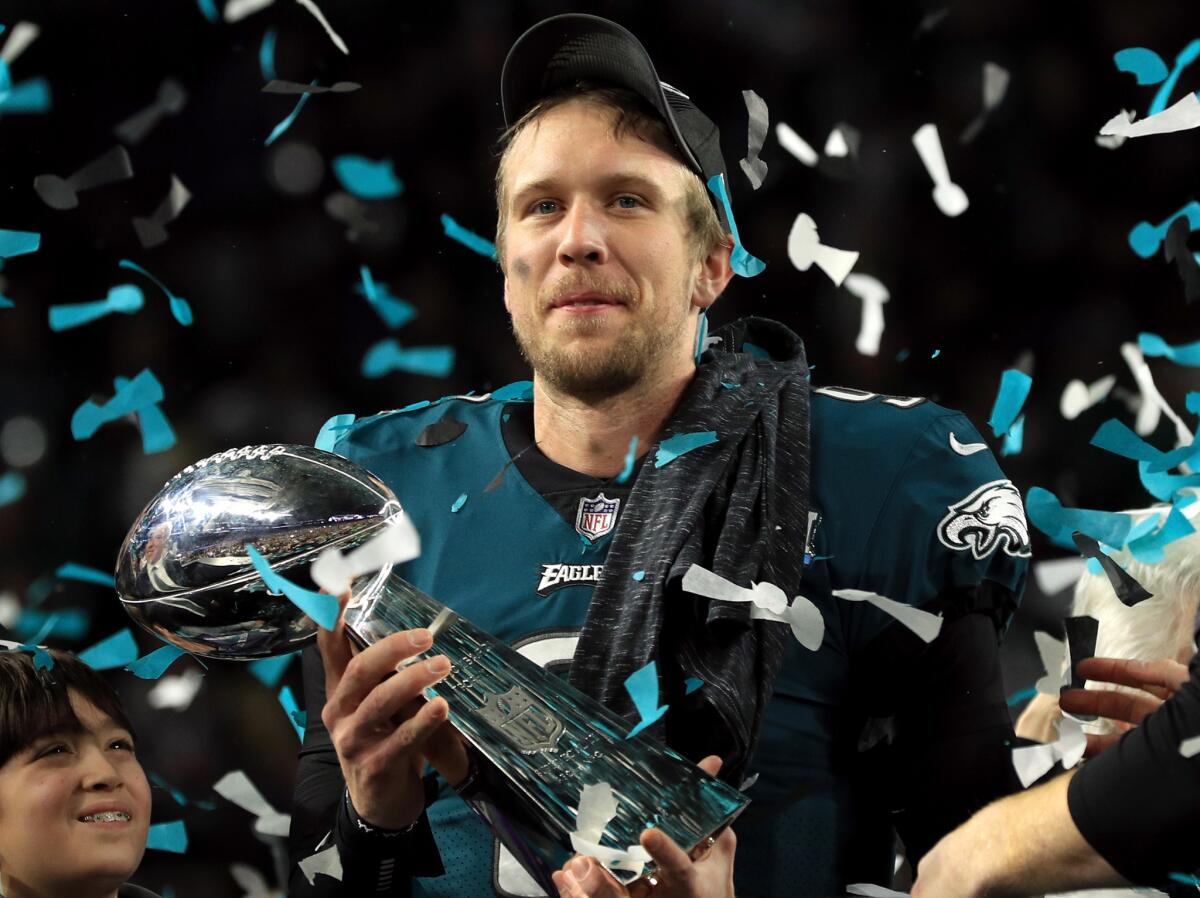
pixel 1138 803
pixel 953 736
pixel 374 861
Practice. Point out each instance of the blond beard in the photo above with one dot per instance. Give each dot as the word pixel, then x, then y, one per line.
pixel 594 377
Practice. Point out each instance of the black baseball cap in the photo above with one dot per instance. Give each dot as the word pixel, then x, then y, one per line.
pixel 561 50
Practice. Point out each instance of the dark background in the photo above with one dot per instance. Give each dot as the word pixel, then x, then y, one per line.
pixel 1038 269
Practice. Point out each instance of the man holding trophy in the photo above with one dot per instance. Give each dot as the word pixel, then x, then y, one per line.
pixel 641 501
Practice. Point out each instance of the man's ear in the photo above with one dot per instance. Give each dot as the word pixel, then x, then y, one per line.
pixel 714 275
pixel 507 304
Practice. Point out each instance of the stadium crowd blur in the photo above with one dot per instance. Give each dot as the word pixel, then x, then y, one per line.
pixel 1037 274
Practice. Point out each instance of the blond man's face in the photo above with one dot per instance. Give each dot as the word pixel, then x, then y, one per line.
pixel 601 274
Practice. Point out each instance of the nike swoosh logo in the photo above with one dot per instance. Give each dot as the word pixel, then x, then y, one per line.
pixel 965 448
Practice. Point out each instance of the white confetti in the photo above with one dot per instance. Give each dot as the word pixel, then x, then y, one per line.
pixel 597 806
pixel 1183 116
pixel 835 144
pixel 804 248
pixel 925 625
pixel 1053 654
pixel 873 295
pixel 175 691
pixel 1189 748
pixel 10 609
pixel 873 891
pixel 328 862
pixel 1152 401
pixel 1031 762
pixel 236 10
pixel 395 544
pixel 769 603
pixel 333 35
pixel 795 144
pixel 1078 397
pixel 252 883
pixel 753 167
pixel 950 198
pixel 22 35
pixel 1057 574
pixel 236 788
pixel 1113 141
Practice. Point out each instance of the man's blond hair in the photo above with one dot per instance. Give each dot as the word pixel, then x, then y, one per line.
pixel 631 115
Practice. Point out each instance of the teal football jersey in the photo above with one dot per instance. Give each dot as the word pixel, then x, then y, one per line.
pixel 906 502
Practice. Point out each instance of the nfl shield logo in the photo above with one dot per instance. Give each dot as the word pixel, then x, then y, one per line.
pixel 597 516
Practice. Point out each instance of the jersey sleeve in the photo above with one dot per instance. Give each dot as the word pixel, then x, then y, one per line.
pixel 950 530
pixel 1138 803
pixel 373 861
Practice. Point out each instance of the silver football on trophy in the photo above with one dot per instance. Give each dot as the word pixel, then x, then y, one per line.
pixel 183 572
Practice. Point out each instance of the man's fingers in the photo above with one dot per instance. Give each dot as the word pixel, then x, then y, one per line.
pixel 335 648
pixel 711 765
pixel 384 706
pixel 444 749
pixel 584 877
pixel 370 667
pixel 672 860
pixel 1127 706
pixel 1161 678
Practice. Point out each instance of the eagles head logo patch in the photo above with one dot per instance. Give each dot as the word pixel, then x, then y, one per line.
pixel 993 515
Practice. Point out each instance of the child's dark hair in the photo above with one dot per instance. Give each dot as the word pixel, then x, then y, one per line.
pixel 35 703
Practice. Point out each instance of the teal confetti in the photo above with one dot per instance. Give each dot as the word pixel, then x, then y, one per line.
pixel 1184 878
pixel 154 665
pixel 331 430
pixel 209 9
pixel 394 311
pixel 68 623
pixel 680 444
pixel 18 243
pixel 12 487
pixel 1163 486
pixel 701 335
pixel 1148 549
pixel 287 122
pixel 1115 437
pixel 585 543
pixel 1153 345
pixel 459 503
pixel 470 240
pixel 6 303
pixel 1047 513
pixel 123 298
pixel 72 571
pixel 387 355
pixel 639 576
pixel 112 652
pixel 1145 65
pixel 757 351
pixel 691 684
pixel 1145 238
pixel 269 671
pixel 157 433
pixel 902 355
pixel 30 96
pixel 288 701
pixel 936 353
pixel 1015 438
pixel 178 797
pixel 366 178
pixel 1023 695
pixel 729 386
pixel 144 390
pixel 1186 57
pixel 630 458
pixel 642 686
pixel 170 836
pixel 180 308
pixel 321 607
pixel 743 263
pixel 521 389
pixel 1014 389
pixel 266 55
